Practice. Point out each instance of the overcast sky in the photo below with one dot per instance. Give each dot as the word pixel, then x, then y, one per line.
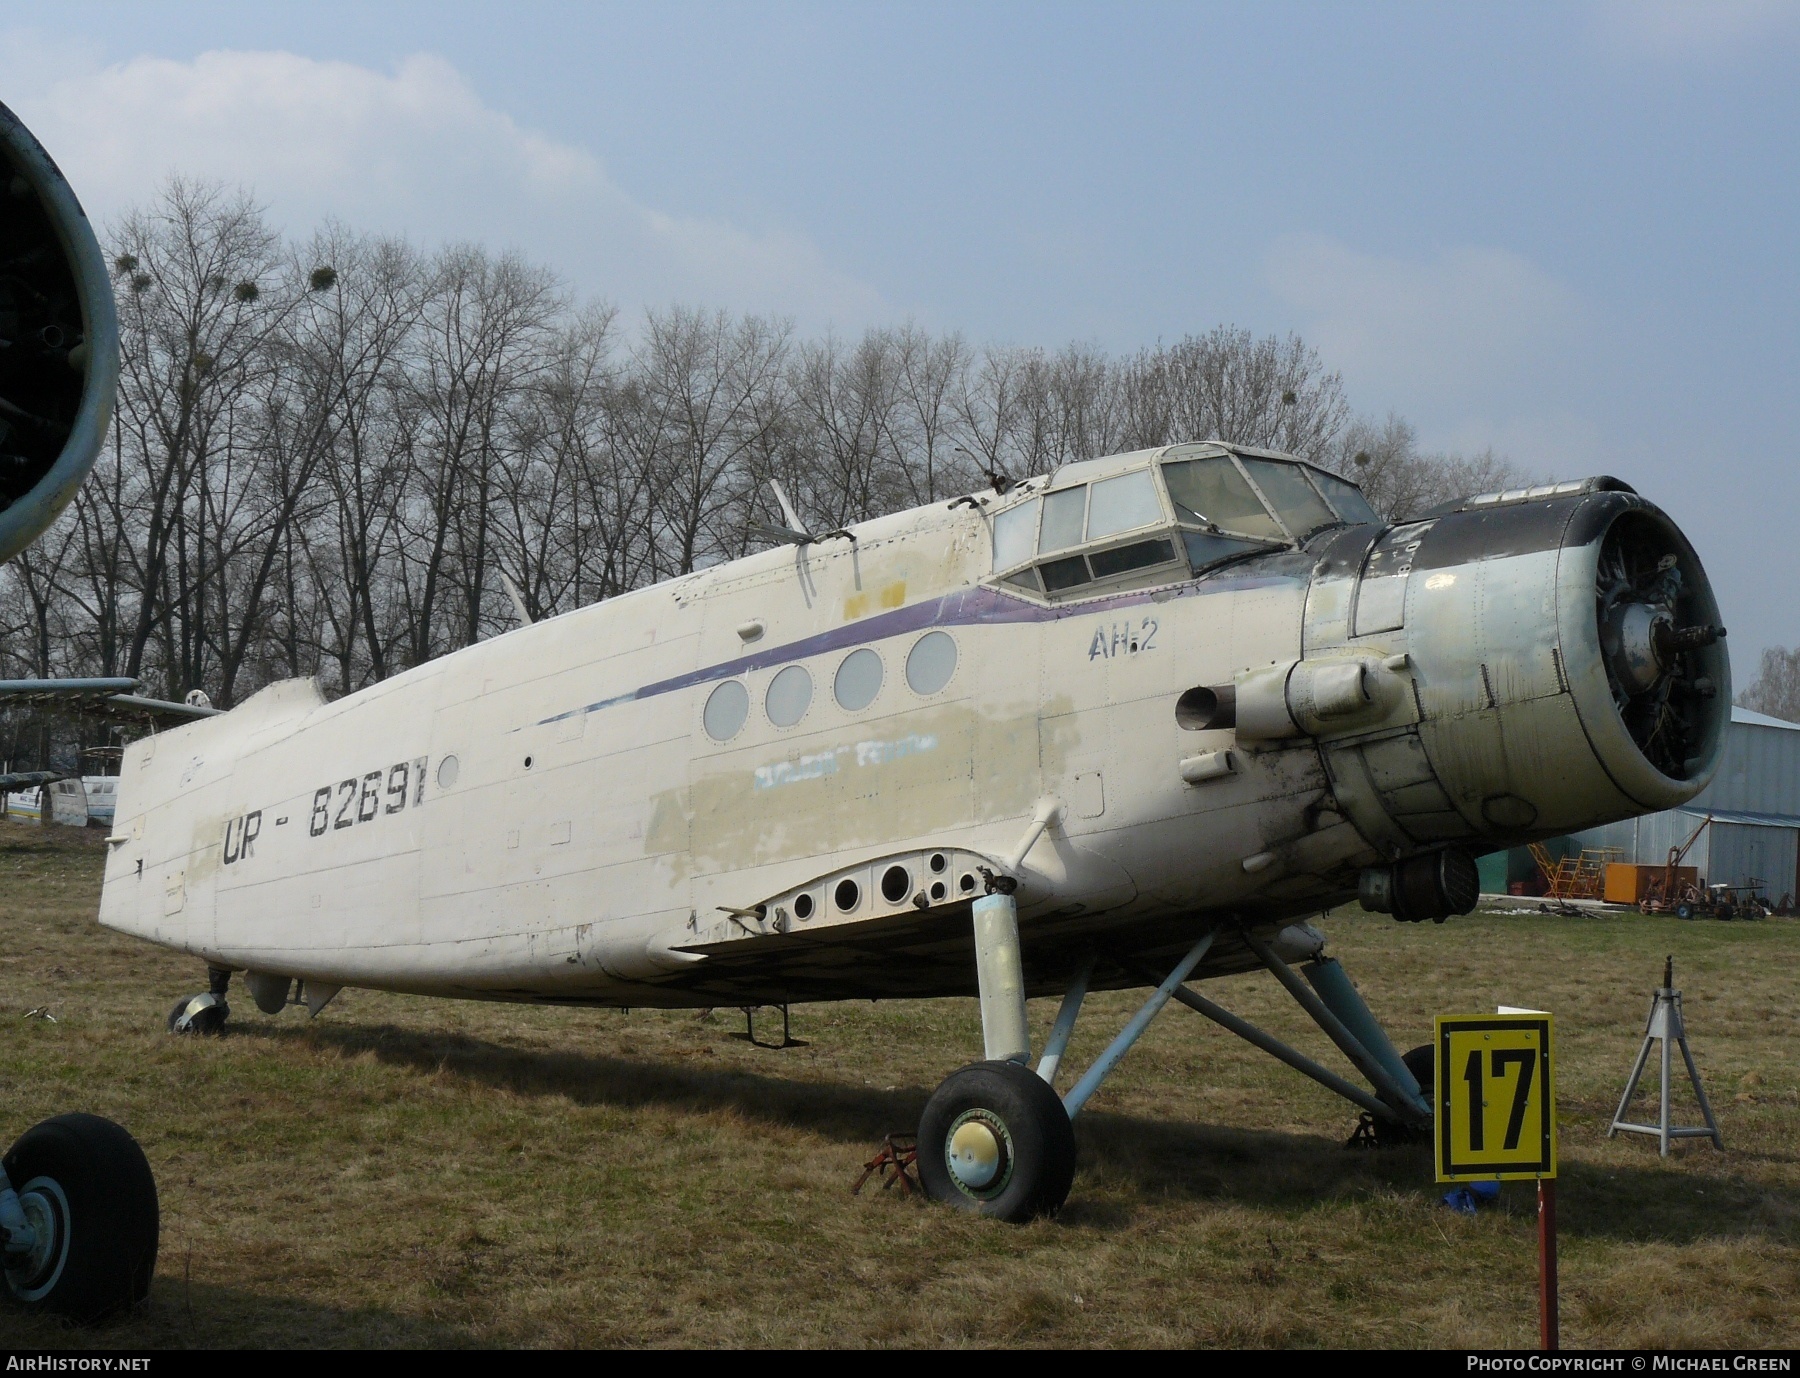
pixel 1565 231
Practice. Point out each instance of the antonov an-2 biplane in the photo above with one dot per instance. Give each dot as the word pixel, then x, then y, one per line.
pixel 1124 725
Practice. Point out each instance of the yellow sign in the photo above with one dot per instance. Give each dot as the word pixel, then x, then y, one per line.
pixel 1496 1097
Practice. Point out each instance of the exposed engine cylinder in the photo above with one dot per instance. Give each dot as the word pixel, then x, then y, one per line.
pixel 59 340
pixel 1433 886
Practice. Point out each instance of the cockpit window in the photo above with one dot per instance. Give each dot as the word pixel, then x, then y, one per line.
pixel 1285 485
pixel 1211 492
pixel 1064 516
pixel 1351 505
pixel 1066 573
pixel 1115 532
pixel 1124 503
pixel 1015 534
pixel 1205 550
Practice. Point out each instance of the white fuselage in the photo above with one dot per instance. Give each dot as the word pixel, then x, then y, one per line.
pixel 589 814
pixel 555 814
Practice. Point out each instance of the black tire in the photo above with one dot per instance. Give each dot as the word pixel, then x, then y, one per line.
pixel 1684 911
pixel 209 1019
pixel 1727 913
pixel 1026 1127
pixel 89 1180
pixel 1422 1063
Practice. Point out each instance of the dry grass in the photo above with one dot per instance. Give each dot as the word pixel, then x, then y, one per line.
pixel 402 1171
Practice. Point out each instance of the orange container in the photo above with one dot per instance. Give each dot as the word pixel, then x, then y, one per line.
pixel 1627 884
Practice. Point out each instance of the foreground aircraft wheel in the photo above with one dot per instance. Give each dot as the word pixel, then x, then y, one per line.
pixel 1684 911
pixel 995 1139
pixel 199 1014
pixel 86 1190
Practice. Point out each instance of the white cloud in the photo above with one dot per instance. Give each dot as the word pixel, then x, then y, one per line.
pixel 1476 346
pixel 1688 30
pixel 1462 322
pixel 415 151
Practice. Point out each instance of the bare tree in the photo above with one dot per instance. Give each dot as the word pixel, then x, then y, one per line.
pixel 327 452
pixel 194 322
pixel 1400 480
pixel 485 321
pixel 698 394
pixel 1776 689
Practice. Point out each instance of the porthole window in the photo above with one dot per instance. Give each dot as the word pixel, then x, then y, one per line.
pixel 726 709
pixel 447 772
pixel 858 680
pixel 931 663
pixel 896 883
pixel 803 907
pixel 848 892
pixel 789 696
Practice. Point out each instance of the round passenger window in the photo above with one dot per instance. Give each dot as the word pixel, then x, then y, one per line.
pixel 726 709
pixel 447 772
pixel 858 680
pixel 790 693
pixel 931 663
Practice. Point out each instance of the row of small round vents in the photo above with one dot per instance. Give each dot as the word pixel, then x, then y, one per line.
pixel 896 885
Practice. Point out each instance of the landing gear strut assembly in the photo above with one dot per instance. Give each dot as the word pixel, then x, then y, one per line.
pixel 996 1139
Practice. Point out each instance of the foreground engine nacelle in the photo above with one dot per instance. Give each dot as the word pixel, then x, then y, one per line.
pixel 1557 662
pixel 59 340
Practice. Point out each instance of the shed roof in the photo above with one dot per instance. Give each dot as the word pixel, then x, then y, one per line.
pixel 1744 715
pixel 1744 816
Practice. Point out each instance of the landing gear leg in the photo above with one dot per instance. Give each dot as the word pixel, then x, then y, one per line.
pixel 995 1138
pixel 205 1013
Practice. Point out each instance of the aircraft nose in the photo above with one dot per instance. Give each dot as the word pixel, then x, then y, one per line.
pixel 1569 659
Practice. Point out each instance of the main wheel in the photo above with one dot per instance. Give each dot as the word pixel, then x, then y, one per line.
pixel 1422 1063
pixel 87 1191
pixel 1684 910
pixel 199 1014
pixel 995 1139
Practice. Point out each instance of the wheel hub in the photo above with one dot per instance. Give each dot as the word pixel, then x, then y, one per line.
pixel 978 1152
pixel 47 1211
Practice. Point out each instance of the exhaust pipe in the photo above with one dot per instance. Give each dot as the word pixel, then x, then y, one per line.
pixel 1433 886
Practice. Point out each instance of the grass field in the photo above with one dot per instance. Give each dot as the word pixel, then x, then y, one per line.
pixel 403 1171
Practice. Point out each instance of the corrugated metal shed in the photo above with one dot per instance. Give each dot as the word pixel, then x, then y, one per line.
pixel 1755 804
pixel 1761 769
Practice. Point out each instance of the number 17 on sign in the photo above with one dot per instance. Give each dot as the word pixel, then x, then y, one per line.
pixel 1496 1118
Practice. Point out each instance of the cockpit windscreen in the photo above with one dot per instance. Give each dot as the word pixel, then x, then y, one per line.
pixel 1212 493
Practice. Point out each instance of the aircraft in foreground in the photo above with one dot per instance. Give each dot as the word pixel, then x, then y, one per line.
pixel 1125 725
pixel 78 1209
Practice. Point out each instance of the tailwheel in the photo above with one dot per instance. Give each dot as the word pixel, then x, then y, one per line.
pixel 996 1140
pixel 87 1246
pixel 205 1013
pixel 199 1014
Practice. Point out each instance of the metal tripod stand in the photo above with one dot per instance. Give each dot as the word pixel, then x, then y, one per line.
pixel 1665 1023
